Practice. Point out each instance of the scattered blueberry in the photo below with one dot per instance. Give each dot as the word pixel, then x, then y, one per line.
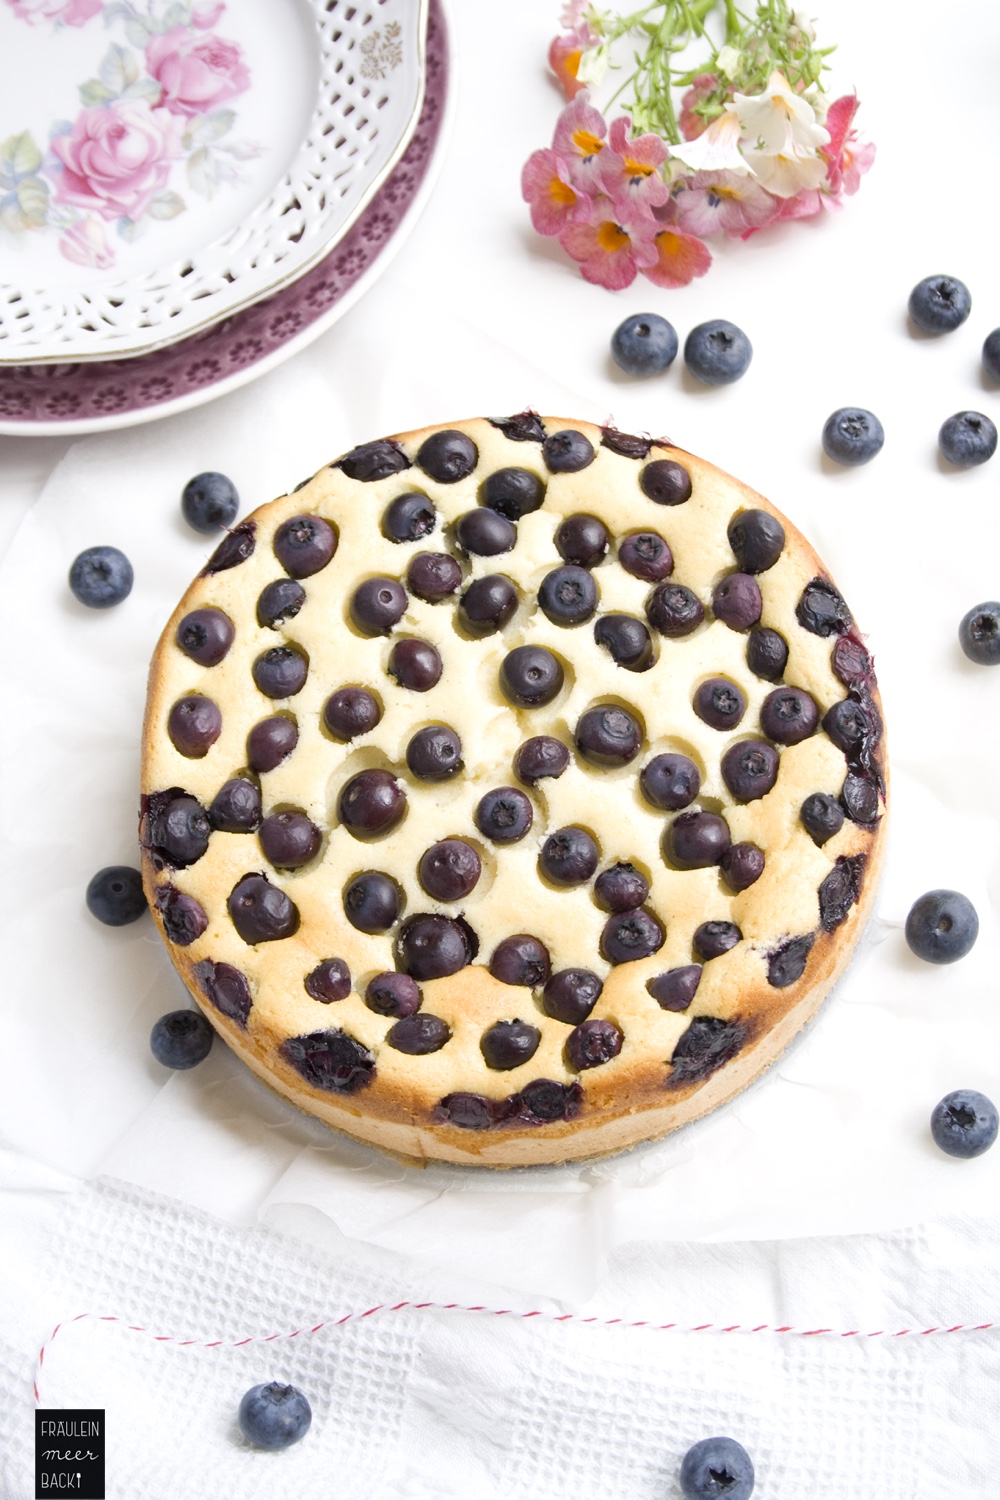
pixel 280 672
pixel 712 939
pixel 675 989
pixel 789 715
pixel 942 926
pixel 181 1039
pixel 329 981
pixel 979 634
pixel 717 353
pixel 289 840
pixel 274 1416
pixel 419 1034
pixel 750 769
pixel 939 304
pixel 852 436
pixel 236 546
pixel 115 896
pixel 433 947
pixel 965 1123
pixel 262 912
pixel 717 1468
pixel 194 724
pixel 627 640
pixel 968 438
pixel 644 344
pixel 629 935
pixel 373 461
pixel 433 576
pixel 209 502
pixel 991 354
pixel 101 577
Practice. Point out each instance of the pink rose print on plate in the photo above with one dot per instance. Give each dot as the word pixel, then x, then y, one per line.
pixel 196 73
pixel 86 243
pixel 70 12
pixel 117 158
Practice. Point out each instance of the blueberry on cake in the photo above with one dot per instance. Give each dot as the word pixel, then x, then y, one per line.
pixel 513 791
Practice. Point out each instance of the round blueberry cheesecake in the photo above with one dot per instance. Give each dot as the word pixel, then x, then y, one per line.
pixel 513 791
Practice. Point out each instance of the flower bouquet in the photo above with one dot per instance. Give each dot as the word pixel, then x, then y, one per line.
pixel 739 140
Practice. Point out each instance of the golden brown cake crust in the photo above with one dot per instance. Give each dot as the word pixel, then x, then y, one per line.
pixel 742 1019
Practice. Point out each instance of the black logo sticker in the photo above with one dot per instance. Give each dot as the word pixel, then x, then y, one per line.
pixel 69 1453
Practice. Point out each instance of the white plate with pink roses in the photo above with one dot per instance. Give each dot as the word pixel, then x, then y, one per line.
pixel 164 163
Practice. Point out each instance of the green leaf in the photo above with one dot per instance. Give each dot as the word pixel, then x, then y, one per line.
pixel 144 88
pixel 201 172
pixel 19 156
pixel 130 229
pixel 94 92
pixel 118 69
pixel 33 201
pixel 166 206
pixel 10 216
pixel 137 32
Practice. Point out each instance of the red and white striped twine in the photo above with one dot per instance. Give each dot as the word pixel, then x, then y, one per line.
pixel 506 1312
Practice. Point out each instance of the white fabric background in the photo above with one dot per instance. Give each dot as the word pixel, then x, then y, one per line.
pixel 479 315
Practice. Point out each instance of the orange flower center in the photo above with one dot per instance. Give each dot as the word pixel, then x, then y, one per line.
pixel 612 238
pixel 637 168
pixel 587 144
pixel 571 62
pixel 561 193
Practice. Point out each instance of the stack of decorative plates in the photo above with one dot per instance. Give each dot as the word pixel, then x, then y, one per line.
pixel 190 190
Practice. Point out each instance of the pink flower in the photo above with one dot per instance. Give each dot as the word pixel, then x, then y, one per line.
pixel 611 245
pixel 205 13
pixel 632 167
pixel 565 53
pixel 546 186
pixel 691 124
pixel 196 74
pixel 579 140
pixel 117 158
pixel 85 244
pixel 847 161
pixel 726 202
pixel 679 258
pixel 70 12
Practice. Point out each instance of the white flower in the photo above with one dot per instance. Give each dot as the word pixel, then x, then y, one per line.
pixel 717 149
pixel 593 64
pixel 780 137
pixel 728 62
pixel 778 120
pixel 802 21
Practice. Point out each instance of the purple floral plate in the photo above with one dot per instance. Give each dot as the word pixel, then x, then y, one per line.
pixel 47 399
